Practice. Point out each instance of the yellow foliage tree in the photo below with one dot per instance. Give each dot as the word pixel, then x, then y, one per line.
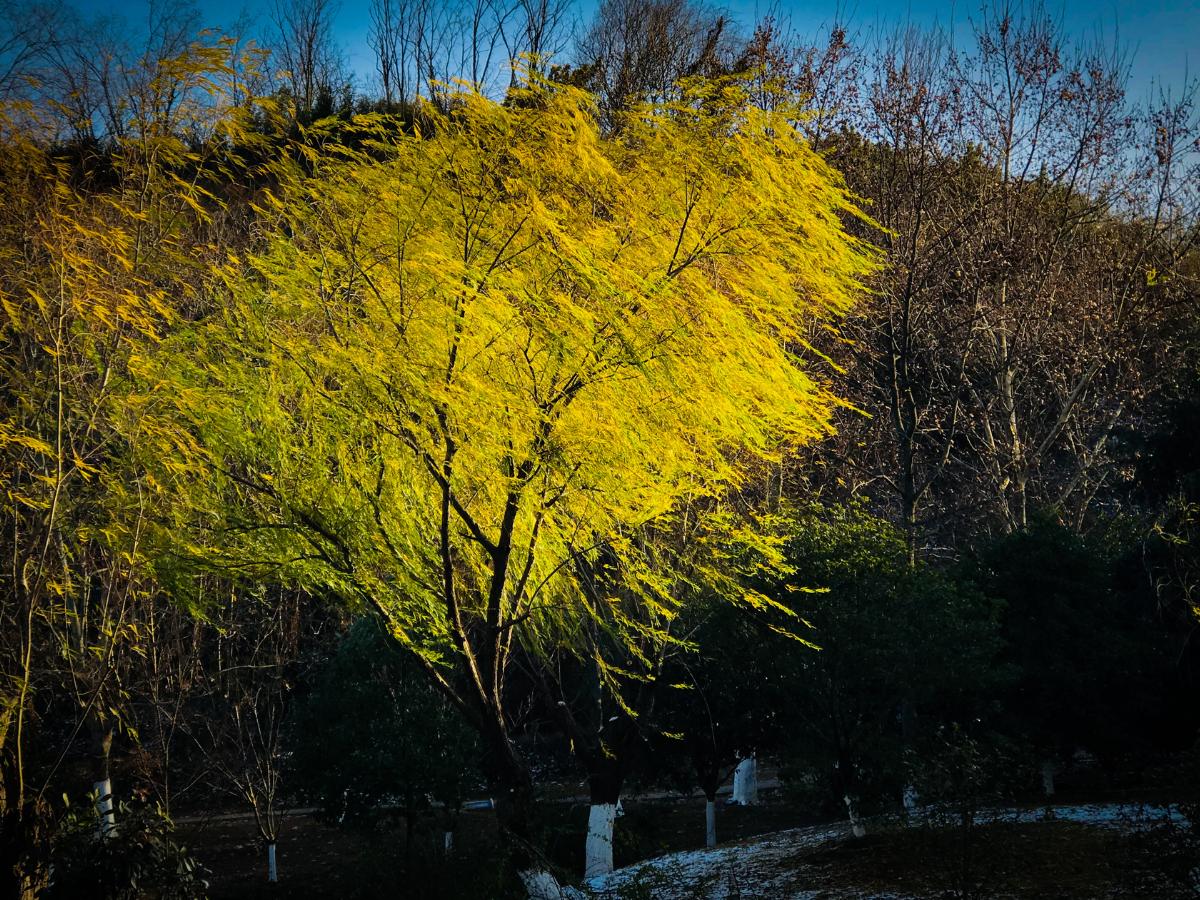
pixel 464 359
pixel 87 271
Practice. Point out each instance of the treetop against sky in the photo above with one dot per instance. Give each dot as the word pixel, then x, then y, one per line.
pixel 1157 38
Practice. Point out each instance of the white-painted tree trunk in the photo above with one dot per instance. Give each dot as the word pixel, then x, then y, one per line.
pixel 448 842
pixel 710 823
pixel 1048 768
pixel 345 806
pixel 856 824
pixel 910 799
pixel 542 885
pixel 105 814
pixel 745 782
pixel 599 850
pixel 272 869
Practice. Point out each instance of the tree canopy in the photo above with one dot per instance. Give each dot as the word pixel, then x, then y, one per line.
pixel 465 356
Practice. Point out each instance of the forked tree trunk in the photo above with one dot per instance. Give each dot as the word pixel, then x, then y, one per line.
pixel 512 789
pixel 745 782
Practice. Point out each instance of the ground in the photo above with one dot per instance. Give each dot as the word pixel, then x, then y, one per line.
pixel 1077 852
pixel 769 851
pixel 318 859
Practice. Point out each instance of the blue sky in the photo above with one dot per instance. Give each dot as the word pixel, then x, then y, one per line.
pixel 1162 37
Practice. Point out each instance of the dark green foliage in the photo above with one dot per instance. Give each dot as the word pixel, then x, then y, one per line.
pixel 959 776
pixel 374 732
pixel 1168 479
pixel 1090 662
pixel 897 641
pixel 958 773
pixel 891 637
pixel 714 705
pixel 140 858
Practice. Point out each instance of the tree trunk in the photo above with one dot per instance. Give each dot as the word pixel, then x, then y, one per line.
pixel 105 814
pixel 451 809
pixel 605 793
pixel 856 823
pixel 745 782
pixel 708 777
pixel 512 789
pixel 515 813
pixel 1048 768
pixel 599 850
pixel 272 869
pixel 908 496
pixel 540 884
pixel 908 734
pixel 106 817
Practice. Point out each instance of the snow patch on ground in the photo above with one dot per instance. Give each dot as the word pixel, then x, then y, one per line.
pixel 746 870
pixel 764 868
pixel 1101 815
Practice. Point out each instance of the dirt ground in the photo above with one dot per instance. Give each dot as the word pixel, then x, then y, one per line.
pixel 1029 860
pixel 317 859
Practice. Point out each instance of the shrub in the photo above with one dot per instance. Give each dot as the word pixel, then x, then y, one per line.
pixel 140 858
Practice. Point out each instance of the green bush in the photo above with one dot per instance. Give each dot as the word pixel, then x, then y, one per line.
pixel 139 858
pixel 373 734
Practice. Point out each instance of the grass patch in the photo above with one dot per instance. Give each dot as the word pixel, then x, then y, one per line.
pixel 1017 860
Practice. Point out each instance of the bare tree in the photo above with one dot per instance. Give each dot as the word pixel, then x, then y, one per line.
pixel 1054 334
pixel 1013 327
pixel 639 49
pixel 915 171
pixel 389 40
pixel 827 69
pixel 105 76
pixel 27 32
pixel 539 30
pixel 254 646
pixel 304 46
pixel 484 25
